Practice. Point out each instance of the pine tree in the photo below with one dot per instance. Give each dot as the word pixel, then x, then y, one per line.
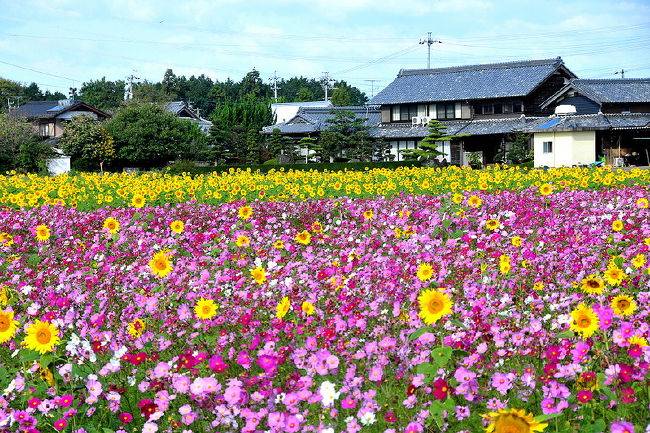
pixel 312 148
pixel 428 148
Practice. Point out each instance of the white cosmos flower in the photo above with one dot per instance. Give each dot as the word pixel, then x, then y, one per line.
pixel 328 393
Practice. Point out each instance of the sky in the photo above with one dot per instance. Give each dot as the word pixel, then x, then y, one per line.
pixel 61 43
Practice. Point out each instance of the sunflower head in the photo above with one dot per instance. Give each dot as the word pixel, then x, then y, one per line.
pixel 245 212
pixel 593 284
pixel 242 241
pixel 642 203
pixel 492 224
pixel 307 308
pixel 8 326
pixel 474 201
pixel 545 189
pixel 138 201
pixel 512 421
pixel 112 225
pixel 177 226
pixel 617 225
pixel 282 308
pixel 304 237
pixel 41 337
pixel 623 305
pixel 136 328
pixel 614 275
pixel 584 321
pixel 160 264
pixel 205 309
pixel 434 304
pixel 258 274
pixel 42 232
pixel 424 272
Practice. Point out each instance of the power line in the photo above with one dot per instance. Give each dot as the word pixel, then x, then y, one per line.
pixel 39 72
pixel 429 42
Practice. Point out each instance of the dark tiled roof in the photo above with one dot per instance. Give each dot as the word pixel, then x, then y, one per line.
pixel 469 127
pixel 628 90
pixel 497 80
pixel 314 119
pixel 51 109
pixel 593 122
pixel 176 107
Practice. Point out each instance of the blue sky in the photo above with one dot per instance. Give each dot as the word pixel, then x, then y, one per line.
pixel 355 40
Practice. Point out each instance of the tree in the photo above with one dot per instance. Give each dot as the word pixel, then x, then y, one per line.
pixel 20 148
pixel 103 94
pixel 11 90
pixel 428 148
pixel 147 135
pixel 304 94
pixel 87 140
pixel 341 96
pixel 149 92
pixel 170 85
pixel 346 134
pixel 518 149
pixel 33 93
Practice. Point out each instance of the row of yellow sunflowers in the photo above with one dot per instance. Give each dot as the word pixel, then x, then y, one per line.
pixel 93 190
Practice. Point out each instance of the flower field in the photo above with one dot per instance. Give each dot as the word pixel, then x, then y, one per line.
pixel 519 307
pixel 90 191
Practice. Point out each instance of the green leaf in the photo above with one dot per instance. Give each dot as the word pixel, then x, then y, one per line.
pixel 28 356
pixel 415 335
pixel 33 260
pixel 566 334
pixel 441 355
pixel 544 418
pixel 457 234
pixel 435 411
pixel 426 368
pixel 597 427
pixel 446 223
pixel 46 360
pixel 107 430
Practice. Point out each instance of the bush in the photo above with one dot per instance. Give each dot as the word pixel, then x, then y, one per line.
pixel 193 169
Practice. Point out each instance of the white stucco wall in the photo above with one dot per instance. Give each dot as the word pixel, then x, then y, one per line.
pixel 569 148
pixel 58 165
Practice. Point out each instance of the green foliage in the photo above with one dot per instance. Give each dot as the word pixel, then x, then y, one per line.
pixel 87 140
pixel 428 148
pixel 304 94
pixel 346 135
pixel 103 94
pixel 20 148
pixel 519 150
pixel 341 96
pixel 150 92
pixel 147 135
pixel 193 169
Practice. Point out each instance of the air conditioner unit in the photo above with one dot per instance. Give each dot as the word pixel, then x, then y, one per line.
pixel 415 120
pixel 565 110
pixel 425 120
pixel 619 162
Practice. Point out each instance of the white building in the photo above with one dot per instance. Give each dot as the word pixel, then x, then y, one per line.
pixel 285 111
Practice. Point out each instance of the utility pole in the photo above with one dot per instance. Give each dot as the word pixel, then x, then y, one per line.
pixel 327 83
pixel 128 93
pixel 621 72
pixel 372 87
pixel 275 80
pixel 429 42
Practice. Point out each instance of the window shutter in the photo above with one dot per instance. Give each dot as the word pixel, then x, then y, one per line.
pixel 457 109
pixel 465 112
pixel 385 114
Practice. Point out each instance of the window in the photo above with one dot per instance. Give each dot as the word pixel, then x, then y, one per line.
pixel 394 113
pixel 407 112
pixel 487 109
pixel 547 147
pixel 507 107
pixel 45 129
pixel 498 108
pixel 518 107
pixel 447 111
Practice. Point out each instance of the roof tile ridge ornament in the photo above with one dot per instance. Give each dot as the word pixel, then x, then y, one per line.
pixel 482 66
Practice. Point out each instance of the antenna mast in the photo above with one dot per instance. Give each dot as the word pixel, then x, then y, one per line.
pixel 327 83
pixel 275 80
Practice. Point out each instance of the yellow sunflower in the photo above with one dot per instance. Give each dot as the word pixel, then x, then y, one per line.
pixel 8 326
pixel 474 201
pixel 282 308
pixel 278 245
pixel 424 272
pixel 623 305
pixel 138 201
pixel 205 309
pixel 538 285
pixel 136 328
pixel 614 275
pixel 545 189
pixel 369 214
pixel 160 264
pixel 42 232
pixel 516 241
pixel 457 198
pixel 245 212
pixel 593 284
pixel 492 224
pixel 112 225
pixel 512 421
pixel 41 337
pixel 638 261
pixel 6 239
pixel 307 308
pixel 434 304
pixel 242 241
pixel 642 203
pixel 617 225
pixel 258 274
pixel 303 237
pixel 177 226
pixel 584 321
pixel 635 340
